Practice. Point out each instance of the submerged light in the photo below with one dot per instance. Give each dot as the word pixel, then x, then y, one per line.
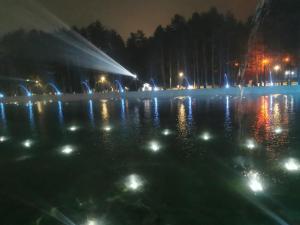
pixel 250 144
pixel 134 182
pixel 292 165
pixel 3 139
pixel 73 128
pixel 206 136
pixel 278 130
pixel 154 146
pixel 255 183
pixel 67 150
pixel 166 132
pixel 107 128
pixel 27 143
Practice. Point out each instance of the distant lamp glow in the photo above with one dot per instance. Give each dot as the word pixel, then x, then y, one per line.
pixel 190 87
pixel 255 183
pixel 287 59
pixel 292 165
pixel 181 74
pixel 278 130
pixel 154 146
pixel 166 132
pixel 227 86
pixel 27 143
pixel 277 68
pixel 133 183
pixel 73 128
pixel 3 139
pixel 206 136
pixel 1 95
pixel 250 144
pixel 67 150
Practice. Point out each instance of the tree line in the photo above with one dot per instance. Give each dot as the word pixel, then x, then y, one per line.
pixel 204 48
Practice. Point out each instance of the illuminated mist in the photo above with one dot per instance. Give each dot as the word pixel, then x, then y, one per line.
pixel 74 49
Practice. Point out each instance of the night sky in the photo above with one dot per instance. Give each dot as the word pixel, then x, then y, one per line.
pixel 124 16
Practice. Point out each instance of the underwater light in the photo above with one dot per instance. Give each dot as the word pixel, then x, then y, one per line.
pixel 27 143
pixel 250 144
pixel 206 136
pixel 73 128
pixel 255 182
pixel 292 165
pixel 166 132
pixel 67 150
pixel 133 183
pixel 278 130
pixel 107 128
pixel 3 139
pixel 154 146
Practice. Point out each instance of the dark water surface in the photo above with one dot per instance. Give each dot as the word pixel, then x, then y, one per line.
pixel 223 161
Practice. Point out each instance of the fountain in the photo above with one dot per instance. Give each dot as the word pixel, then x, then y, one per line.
pixel 155 88
pixel 87 87
pixel 26 91
pixel 119 85
pixel 226 81
pixel 57 92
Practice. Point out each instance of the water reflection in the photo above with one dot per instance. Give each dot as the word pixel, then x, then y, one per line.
pixel 123 109
pixel 190 115
pixel 30 114
pixel 156 113
pixel 228 124
pixel 104 111
pixel 91 113
pixel 60 112
pixel 3 116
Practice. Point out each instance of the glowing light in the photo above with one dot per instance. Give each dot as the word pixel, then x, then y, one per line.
pixel 250 144
pixel 133 183
pixel 277 68
pixel 181 74
pixel 156 89
pixel 154 146
pixel 255 183
pixel 206 136
pixel 103 79
pixel 146 87
pixel 27 143
pixel 190 87
pixel 166 132
pixel 91 222
pixel 107 128
pixel 3 139
pixel 73 128
pixel 1 95
pixel 67 150
pixel 278 130
pixel 227 86
pixel 292 165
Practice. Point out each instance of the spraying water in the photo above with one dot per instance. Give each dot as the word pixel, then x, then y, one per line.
pixel 26 91
pixel 119 85
pixel 226 81
pixel 76 49
pixel 57 92
pixel 87 87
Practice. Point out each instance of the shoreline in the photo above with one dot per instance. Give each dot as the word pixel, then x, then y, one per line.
pixel 233 91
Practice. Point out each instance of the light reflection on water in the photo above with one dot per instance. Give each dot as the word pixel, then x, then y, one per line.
pixel 185 118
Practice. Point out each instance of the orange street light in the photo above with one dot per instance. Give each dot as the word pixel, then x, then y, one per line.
pixel 265 61
pixel 287 59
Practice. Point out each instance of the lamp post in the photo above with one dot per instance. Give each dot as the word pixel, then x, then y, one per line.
pixel 277 68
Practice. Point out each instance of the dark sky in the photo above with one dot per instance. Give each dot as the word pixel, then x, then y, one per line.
pixel 122 15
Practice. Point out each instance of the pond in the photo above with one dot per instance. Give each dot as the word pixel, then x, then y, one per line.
pixel 187 160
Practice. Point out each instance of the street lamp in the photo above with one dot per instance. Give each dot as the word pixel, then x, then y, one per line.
pixel 102 79
pixel 181 74
pixel 277 68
